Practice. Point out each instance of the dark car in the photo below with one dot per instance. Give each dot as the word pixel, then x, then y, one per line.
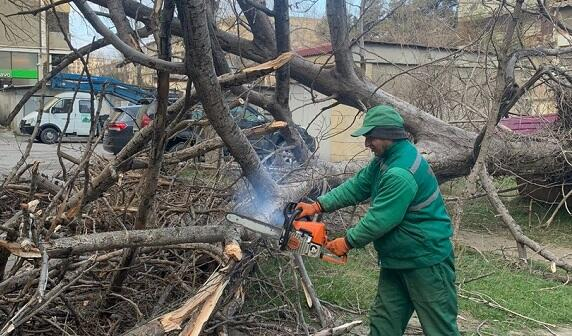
pixel 126 120
pixel 247 116
pixel 121 127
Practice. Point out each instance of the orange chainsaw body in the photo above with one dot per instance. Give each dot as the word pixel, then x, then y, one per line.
pixel 316 230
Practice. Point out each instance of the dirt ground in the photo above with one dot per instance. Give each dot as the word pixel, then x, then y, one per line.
pixel 485 242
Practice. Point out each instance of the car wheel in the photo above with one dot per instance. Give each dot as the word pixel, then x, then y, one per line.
pixel 49 135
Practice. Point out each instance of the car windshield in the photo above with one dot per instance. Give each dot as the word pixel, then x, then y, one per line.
pixel 129 113
pixel 247 113
pixel 51 103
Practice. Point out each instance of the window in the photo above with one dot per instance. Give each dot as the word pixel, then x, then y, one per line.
pixel 18 68
pixel 24 65
pixel 5 64
pixel 84 106
pixel 5 69
pixel 62 106
pixel 56 59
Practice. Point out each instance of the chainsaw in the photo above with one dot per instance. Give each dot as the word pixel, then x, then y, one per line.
pixel 302 236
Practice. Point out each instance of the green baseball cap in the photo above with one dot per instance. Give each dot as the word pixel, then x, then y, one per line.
pixel 384 121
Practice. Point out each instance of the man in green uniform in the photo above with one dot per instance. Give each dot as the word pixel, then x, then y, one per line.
pixel 408 225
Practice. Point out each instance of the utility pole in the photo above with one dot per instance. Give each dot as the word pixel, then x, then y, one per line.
pixel 44 58
pixel 44 52
pixel 361 35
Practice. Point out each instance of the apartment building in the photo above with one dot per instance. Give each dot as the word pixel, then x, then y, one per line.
pixel 28 41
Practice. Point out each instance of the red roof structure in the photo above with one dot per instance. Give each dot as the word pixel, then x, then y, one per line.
pixel 322 49
pixel 528 124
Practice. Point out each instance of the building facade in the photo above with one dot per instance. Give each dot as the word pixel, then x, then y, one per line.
pixel 447 83
pixel 29 41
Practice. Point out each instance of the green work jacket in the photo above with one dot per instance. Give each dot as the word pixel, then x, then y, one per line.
pixel 407 220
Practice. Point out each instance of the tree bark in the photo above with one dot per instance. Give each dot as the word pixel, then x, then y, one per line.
pixel 339 33
pixel 199 66
pixel 282 91
pixel 124 31
pixel 80 244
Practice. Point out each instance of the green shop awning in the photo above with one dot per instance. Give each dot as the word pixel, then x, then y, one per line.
pixel 19 73
pixel 25 73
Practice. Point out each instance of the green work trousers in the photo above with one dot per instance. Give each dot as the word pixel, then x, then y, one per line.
pixel 430 291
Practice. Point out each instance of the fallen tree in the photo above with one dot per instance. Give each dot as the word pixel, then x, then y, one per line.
pixel 127 202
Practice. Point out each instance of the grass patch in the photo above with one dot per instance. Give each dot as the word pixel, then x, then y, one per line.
pixel 489 278
pixel 511 287
pixel 478 214
pixel 352 286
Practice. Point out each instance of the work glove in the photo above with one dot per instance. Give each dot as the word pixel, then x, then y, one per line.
pixel 308 209
pixel 339 246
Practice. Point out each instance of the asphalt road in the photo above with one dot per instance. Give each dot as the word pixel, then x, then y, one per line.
pixel 12 146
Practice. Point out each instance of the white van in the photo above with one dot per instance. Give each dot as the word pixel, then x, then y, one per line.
pixel 56 113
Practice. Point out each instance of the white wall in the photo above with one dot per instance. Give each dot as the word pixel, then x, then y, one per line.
pixel 303 115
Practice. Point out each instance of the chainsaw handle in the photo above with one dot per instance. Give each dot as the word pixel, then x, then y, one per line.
pixel 290 211
pixel 334 259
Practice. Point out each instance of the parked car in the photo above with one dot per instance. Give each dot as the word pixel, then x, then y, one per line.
pixel 56 113
pixel 121 126
pixel 126 121
pixel 247 116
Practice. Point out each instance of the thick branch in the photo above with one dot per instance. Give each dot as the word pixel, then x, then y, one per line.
pixel 448 148
pixel 120 239
pixel 128 52
pixel 282 23
pixel 262 31
pixel 339 31
pixel 200 67
pixel 513 226
pixel 124 31
pixel 260 7
pixel 159 139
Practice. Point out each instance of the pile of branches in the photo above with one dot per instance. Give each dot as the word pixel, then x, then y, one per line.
pixel 61 271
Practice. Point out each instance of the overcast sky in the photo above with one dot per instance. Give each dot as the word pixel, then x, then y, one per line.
pixel 82 33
